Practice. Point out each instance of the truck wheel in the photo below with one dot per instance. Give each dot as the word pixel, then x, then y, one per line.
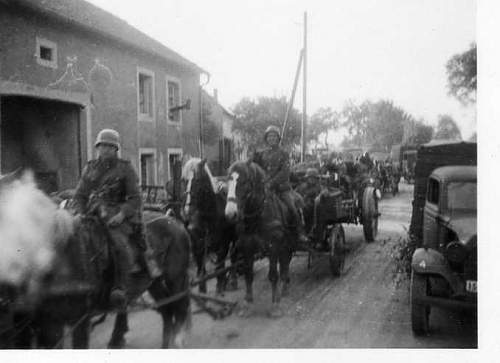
pixel 370 214
pixel 419 311
pixel 336 244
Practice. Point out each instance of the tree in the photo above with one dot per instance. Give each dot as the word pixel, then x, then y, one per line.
pixel 447 129
pixel 253 117
pixel 379 125
pixel 355 119
pixel 473 138
pixel 423 133
pixel 386 124
pixel 321 122
pixel 462 75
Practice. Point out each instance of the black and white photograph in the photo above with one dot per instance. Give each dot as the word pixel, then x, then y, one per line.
pixel 240 175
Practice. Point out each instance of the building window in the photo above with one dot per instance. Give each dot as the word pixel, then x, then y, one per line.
pixel 174 160
pixel 145 96
pixel 173 99
pixel 147 166
pixel 46 53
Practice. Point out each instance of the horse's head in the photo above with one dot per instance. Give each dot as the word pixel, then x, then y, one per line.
pixel 31 228
pixel 245 186
pixel 200 187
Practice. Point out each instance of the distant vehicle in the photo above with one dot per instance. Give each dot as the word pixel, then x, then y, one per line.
pixel 403 160
pixel 408 165
pixel 444 266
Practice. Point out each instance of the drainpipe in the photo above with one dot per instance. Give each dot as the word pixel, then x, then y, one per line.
pixel 201 114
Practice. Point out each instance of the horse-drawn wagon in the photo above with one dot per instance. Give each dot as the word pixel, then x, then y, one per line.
pixel 339 202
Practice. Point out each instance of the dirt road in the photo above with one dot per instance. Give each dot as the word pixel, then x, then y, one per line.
pixel 363 308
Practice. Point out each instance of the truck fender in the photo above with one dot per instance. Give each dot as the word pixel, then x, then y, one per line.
pixel 430 262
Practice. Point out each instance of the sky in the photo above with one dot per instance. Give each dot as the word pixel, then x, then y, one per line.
pixel 357 49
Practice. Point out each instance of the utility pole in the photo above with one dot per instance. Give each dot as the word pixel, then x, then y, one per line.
pixel 200 139
pixel 304 95
pixel 292 96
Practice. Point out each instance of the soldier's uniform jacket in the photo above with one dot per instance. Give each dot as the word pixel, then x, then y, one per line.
pixel 110 185
pixel 309 192
pixel 276 164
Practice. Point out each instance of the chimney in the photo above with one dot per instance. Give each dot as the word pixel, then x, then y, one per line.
pixel 216 96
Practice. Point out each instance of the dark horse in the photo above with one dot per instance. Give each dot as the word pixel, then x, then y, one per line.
pixel 261 219
pixel 203 212
pixel 75 286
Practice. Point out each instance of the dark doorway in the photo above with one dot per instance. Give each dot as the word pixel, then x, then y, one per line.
pixel 43 136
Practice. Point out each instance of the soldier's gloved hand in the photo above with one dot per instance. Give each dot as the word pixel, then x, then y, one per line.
pixel 116 220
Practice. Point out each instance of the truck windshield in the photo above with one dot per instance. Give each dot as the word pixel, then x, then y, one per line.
pixel 462 195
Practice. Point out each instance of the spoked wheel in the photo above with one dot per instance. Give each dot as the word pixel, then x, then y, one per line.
pixel 370 214
pixel 336 244
pixel 419 311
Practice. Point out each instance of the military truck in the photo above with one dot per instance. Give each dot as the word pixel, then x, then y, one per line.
pixel 443 227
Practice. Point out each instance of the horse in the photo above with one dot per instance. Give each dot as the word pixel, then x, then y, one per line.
pixel 261 220
pixel 73 285
pixel 203 212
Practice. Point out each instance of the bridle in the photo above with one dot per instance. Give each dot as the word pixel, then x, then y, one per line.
pixel 191 194
pixel 249 194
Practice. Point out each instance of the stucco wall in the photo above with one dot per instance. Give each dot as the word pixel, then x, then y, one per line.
pixel 112 84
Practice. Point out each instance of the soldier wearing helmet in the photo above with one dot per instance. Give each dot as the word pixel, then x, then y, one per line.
pixel 109 189
pixel 275 162
pixel 366 161
pixel 310 189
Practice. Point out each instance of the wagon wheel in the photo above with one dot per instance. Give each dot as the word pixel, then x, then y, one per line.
pixel 336 245
pixel 370 214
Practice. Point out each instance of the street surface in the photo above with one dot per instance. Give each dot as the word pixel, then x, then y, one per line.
pixel 363 308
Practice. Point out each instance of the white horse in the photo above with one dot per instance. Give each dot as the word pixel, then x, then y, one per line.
pixel 31 228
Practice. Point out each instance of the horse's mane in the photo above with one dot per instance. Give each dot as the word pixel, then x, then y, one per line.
pixel 190 167
pixel 250 169
pixel 31 227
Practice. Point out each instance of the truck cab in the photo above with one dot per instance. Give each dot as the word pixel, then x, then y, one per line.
pixel 444 269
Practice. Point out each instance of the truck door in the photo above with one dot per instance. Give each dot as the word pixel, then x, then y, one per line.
pixel 431 211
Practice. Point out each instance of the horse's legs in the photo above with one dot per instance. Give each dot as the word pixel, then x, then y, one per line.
pixel 248 266
pixel 233 273
pixel 273 276
pixel 120 327
pixel 182 322
pixel 50 333
pixel 248 257
pixel 284 261
pixel 199 255
pixel 81 334
pixel 24 337
pixel 275 257
pixel 158 291
pixel 168 326
pixel 222 252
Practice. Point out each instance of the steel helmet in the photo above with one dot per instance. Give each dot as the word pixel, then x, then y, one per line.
pixel 271 128
pixel 312 172
pixel 109 137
